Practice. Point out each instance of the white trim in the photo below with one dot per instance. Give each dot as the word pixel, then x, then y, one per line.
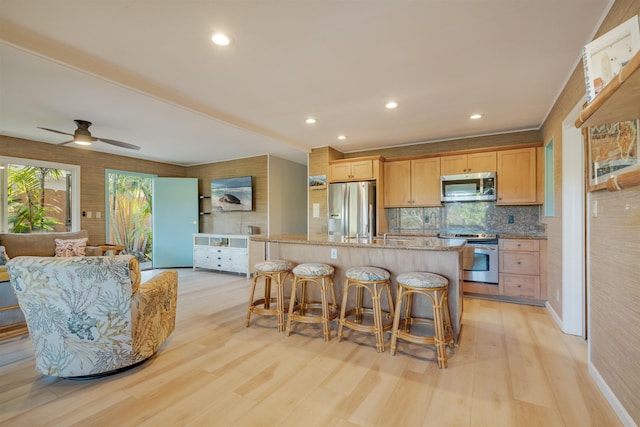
pixel 75 184
pixel 554 315
pixel 617 407
pixel 573 227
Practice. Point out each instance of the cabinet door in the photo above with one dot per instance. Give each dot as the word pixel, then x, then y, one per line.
pixel 362 170
pixel 340 172
pixel 517 177
pixel 481 162
pixel 425 182
pixel 452 165
pixel 397 184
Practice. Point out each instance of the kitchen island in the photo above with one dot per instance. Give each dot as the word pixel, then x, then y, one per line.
pixel 441 256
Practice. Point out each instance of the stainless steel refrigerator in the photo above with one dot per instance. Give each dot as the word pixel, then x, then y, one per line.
pixel 352 210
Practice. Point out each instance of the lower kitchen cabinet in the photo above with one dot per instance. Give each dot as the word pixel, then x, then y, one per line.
pixel 521 268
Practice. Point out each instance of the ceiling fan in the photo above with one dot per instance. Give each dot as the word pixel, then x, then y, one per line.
pixel 82 136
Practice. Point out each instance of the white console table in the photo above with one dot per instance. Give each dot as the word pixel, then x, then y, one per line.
pixel 224 252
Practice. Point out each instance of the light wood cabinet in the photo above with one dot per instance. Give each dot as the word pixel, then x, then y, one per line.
pixel 412 183
pixel 356 170
pixel 520 268
pixel 468 163
pixel 517 176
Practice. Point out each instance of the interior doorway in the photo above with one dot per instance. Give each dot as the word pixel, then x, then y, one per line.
pixel 129 213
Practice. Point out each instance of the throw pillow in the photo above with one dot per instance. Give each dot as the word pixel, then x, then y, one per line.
pixel 3 256
pixel 71 247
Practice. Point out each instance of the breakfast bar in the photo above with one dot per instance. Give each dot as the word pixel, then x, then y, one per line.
pixel 396 255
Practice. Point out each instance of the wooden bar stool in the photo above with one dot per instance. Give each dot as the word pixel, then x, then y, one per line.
pixel 306 311
pixel 276 272
pixel 376 281
pixel 434 287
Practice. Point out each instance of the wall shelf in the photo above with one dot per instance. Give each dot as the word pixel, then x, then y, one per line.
pixel 618 101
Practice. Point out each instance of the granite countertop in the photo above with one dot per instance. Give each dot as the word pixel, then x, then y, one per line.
pixel 428 243
pixel 539 235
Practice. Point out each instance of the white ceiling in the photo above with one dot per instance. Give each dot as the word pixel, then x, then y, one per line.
pixel 146 72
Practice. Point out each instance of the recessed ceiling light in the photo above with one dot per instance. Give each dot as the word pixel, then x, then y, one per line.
pixel 391 105
pixel 342 137
pixel 311 120
pixel 475 116
pixel 221 39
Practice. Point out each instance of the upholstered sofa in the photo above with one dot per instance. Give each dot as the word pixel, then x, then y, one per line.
pixel 38 244
pixel 90 316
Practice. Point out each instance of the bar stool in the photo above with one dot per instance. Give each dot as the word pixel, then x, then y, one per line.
pixel 434 287
pixel 376 281
pixel 276 272
pixel 301 310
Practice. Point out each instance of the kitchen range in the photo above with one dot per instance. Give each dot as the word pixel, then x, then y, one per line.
pixel 485 256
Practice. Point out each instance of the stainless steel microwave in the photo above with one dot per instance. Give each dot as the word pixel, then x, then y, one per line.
pixel 468 187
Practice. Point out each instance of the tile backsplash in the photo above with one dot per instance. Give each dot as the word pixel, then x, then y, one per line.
pixel 465 217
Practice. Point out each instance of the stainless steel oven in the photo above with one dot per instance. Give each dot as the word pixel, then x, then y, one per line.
pixel 485 257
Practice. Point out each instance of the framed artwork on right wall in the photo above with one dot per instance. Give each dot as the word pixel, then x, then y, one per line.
pixel 612 149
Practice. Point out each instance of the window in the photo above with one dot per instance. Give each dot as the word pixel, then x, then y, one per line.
pixel 39 196
pixel 549 170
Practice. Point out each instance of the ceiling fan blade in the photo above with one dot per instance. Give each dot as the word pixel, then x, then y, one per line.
pixel 66 142
pixel 56 131
pixel 119 143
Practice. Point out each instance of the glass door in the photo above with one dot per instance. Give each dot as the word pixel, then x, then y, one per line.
pixel 129 213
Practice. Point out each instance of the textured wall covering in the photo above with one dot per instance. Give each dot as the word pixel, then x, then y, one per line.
pixel 615 294
pixel 92 172
pixel 613 236
pixel 233 222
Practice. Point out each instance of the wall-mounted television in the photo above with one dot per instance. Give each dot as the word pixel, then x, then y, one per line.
pixel 232 194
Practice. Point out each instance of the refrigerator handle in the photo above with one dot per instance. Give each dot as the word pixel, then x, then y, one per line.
pixel 345 211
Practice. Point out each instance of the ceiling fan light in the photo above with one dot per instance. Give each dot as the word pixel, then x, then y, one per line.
pixel 82 139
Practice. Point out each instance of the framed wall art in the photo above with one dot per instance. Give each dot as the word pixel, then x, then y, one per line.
pixel 612 149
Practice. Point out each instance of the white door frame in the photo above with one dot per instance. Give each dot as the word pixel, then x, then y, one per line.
pixel 573 226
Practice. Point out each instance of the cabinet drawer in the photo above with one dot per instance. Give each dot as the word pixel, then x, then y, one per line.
pixel 520 263
pixel 520 286
pixel 519 245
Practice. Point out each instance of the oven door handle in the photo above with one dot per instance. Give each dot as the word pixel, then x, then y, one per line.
pixel 484 249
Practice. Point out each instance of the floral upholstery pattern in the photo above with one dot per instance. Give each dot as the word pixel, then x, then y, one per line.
pixel 421 279
pixel 3 256
pixel 86 317
pixel 71 247
pixel 313 269
pixel 367 274
pixel 273 265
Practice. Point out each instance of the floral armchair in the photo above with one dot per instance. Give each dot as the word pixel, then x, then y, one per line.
pixel 90 316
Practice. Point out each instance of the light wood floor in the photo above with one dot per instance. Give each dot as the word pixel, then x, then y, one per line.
pixel 513 368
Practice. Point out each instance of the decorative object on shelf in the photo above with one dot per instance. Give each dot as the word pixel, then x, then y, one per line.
pixel 232 194
pixel 603 58
pixel 318 182
pixel 612 149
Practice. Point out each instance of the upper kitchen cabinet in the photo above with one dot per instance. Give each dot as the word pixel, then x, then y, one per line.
pixel 468 163
pixel 362 169
pixel 517 176
pixel 412 183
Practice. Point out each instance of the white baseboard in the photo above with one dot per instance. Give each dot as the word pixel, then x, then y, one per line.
pixel 622 413
pixel 554 315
